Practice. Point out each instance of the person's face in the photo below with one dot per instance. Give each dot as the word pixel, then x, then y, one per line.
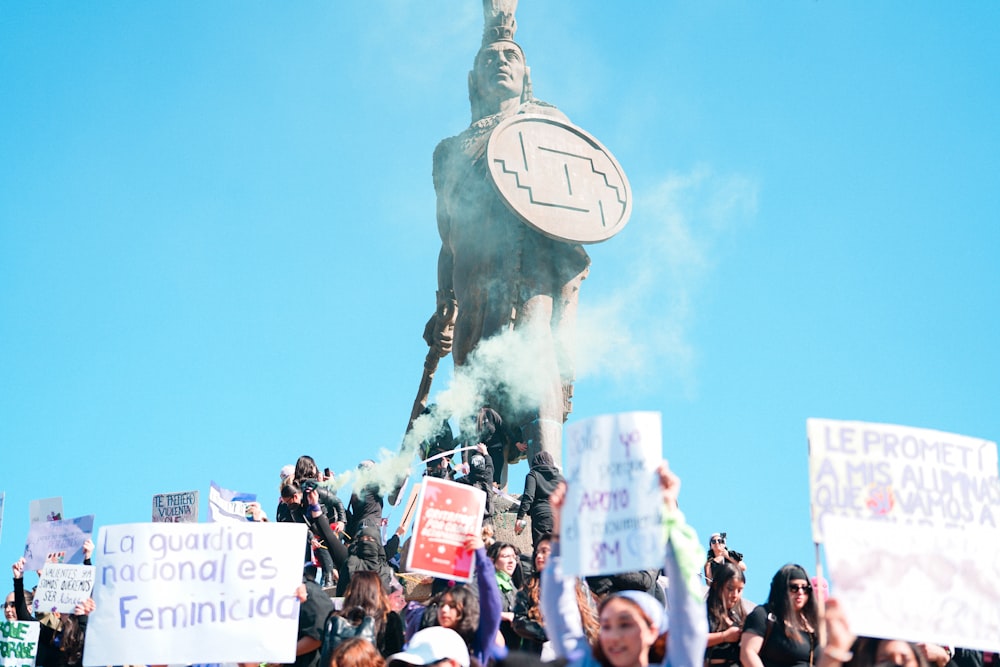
pixel 448 614
pixel 9 611
pixel 542 555
pixel 625 635
pixel 732 592
pixel 296 499
pixel 506 560
pixel 896 652
pixel 397 601
pixel 500 70
pixel 798 592
pixel 718 544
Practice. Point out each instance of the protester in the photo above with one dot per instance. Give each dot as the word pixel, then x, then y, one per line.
pixel 314 609
pixel 725 615
pixel 480 475
pixel 528 622
pixel 60 636
pixel 718 554
pixel 507 564
pixel 539 484
pixel 782 632
pixel 437 646
pixel 475 618
pixel 633 624
pixel 365 508
pixel 366 597
pixel 355 652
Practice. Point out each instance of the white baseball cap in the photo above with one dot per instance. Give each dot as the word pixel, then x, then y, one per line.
pixel 432 645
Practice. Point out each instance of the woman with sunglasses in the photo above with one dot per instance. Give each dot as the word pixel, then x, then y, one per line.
pixel 719 554
pixel 782 633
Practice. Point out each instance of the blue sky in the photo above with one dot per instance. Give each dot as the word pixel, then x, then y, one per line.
pixel 218 247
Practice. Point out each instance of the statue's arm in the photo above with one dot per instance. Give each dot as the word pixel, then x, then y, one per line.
pixel 439 331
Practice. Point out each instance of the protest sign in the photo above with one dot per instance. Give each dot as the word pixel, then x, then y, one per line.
pixel 62 586
pixel 899 474
pixel 447 513
pixel 195 593
pixel 612 521
pixel 228 506
pixel 18 643
pixel 45 509
pixel 175 507
pixel 906 517
pixel 926 585
pixel 62 539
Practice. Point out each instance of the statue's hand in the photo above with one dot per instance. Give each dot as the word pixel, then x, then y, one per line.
pixel 439 333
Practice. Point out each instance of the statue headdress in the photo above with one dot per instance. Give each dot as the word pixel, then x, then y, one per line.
pixel 499 24
pixel 498 20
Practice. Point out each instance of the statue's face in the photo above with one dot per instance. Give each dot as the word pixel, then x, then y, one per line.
pixel 499 70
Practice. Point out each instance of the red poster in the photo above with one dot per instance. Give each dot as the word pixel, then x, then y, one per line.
pixel 447 513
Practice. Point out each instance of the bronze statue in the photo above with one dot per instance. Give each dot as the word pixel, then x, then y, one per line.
pixel 501 281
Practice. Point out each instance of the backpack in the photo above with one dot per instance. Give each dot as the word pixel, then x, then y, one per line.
pixel 337 629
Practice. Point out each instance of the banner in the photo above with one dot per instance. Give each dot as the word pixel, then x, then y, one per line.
pixel 18 643
pixel 899 474
pixel 447 513
pixel 175 507
pixel 908 521
pixel 62 539
pixel 225 505
pixel 195 593
pixel 45 509
pixel 62 586
pixel 613 513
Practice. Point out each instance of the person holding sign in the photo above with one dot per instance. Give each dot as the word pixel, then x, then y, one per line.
pixel 633 624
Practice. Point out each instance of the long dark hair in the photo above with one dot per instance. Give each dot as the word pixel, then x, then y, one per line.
pixel 466 603
pixel 365 592
pixel 718 614
pixel 778 602
pixel 306 468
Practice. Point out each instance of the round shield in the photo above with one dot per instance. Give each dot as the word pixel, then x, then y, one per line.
pixel 558 179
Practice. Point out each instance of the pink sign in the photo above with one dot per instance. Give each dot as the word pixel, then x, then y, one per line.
pixel 447 513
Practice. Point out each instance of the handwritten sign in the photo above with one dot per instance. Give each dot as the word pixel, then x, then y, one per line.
pixel 62 539
pixel 922 585
pixel 18 643
pixel 175 507
pixel 225 505
pixel 612 521
pixel 907 515
pixel 45 509
pixel 899 474
pixel 62 586
pixel 195 593
pixel 447 513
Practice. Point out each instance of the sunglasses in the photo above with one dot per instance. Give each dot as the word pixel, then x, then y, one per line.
pixel 9 604
pixel 717 540
pixel 795 588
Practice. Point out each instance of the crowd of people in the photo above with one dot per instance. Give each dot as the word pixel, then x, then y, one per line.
pixel 520 608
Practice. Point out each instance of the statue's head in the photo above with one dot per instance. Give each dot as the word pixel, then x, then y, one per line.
pixel 499 72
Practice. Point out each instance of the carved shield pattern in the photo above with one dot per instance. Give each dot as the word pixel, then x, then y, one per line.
pixel 558 179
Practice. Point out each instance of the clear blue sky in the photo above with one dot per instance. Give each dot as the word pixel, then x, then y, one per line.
pixel 218 247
